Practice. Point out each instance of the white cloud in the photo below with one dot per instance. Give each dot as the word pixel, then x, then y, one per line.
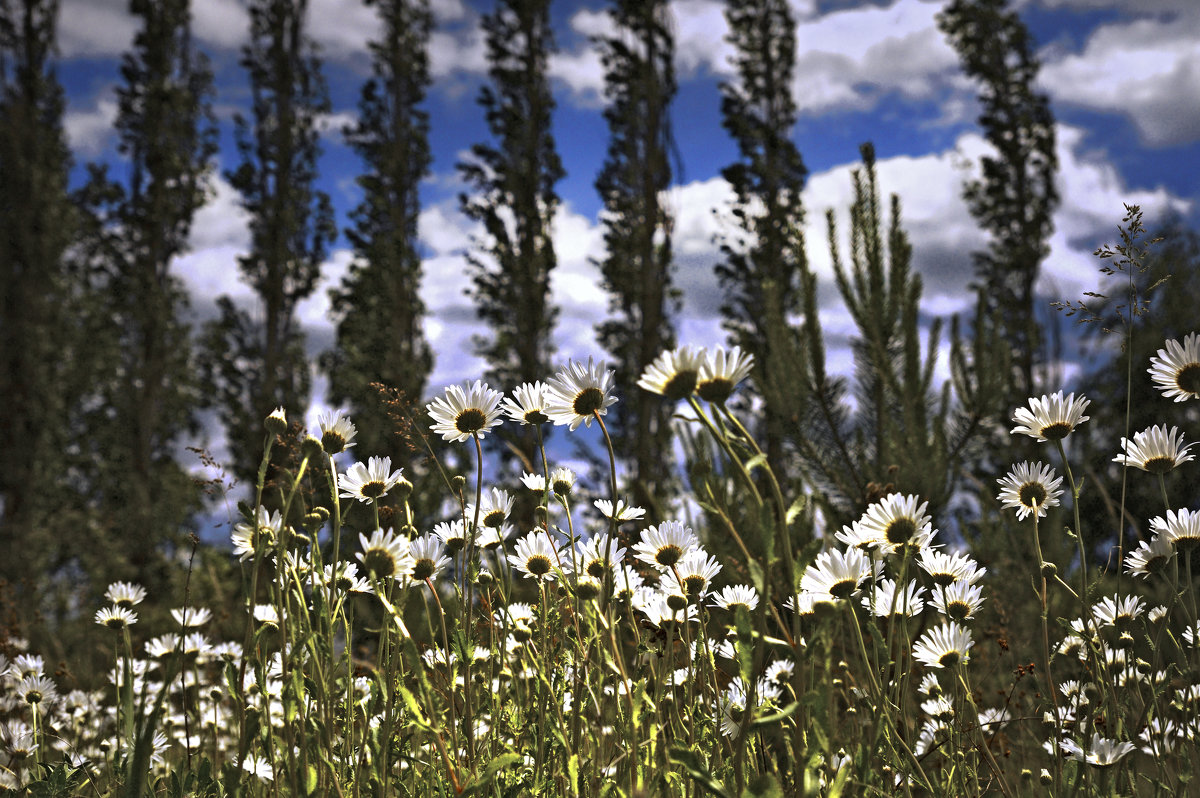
pixel 95 27
pixel 220 24
pixel 1147 69
pixel 90 131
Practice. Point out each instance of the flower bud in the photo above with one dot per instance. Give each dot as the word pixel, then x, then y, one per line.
pixel 276 423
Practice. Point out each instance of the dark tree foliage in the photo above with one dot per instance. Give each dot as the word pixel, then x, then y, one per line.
pixel 256 361
pixel 39 330
pixel 637 268
pixel 1016 197
pixel 378 307
pixel 514 196
pixel 765 263
pixel 149 394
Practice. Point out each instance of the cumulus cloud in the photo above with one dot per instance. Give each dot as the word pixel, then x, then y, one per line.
pixel 1144 69
pixel 90 131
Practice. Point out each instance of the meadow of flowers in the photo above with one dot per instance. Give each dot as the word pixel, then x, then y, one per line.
pixel 590 653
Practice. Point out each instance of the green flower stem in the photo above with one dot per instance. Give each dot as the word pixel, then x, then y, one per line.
pixel 1051 687
pixel 983 742
pixel 1083 577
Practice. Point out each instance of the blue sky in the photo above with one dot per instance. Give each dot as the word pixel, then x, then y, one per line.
pixel 1123 77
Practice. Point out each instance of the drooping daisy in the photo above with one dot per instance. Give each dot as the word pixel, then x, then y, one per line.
pixel 495 506
pixel 625 512
pixel 578 393
pixel 960 601
pixel 1101 753
pixel 1176 370
pixel 117 617
pixel 1156 450
pixel 733 596
pixel 528 403
pixel 466 410
pixel 188 617
pixel 1051 418
pixel 896 523
pixel 1030 488
pixel 944 646
pixel 1150 558
pixel 674 373
pixel 453 534
pixel 337 433
pixel 721 371
pixel 836 574
pixel 535 556
pixel 367 483
pixel 599 556
pixel 664 545
pixel 1180 528
pixel 125 594
pixel 258 537
pixel 945 568
pixel 428 557
pixel 385 555
pixel 888 599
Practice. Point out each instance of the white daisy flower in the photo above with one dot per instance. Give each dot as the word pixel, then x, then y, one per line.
pixel 1118 611
pixel 960 601
pixel 1030 488
pixel 721 372
pixel 1150 558
pixel 495 506
pixel 337 433
pixel 466 410
pixel 528 403
pixel 367 483
pixel 892 525
pixel 674 373
pixel 191 616
pixel 695 571
pixel 732 596
pixel 836 574
pixel 428 557
pixel 1180 528
pixel 945 568
pixel 385 555
pixel 453 534
pixel 1155 449
pixel 625 512
pixel 579 393
pixel 1051 418
pixel 599 555
pixel 944 646
pixel 888 599
pixel 125 594
pixel 1101 753
pixel 535 556
pixel 1176 370
pixel 116 617
pixel 258 537
pixel 666 544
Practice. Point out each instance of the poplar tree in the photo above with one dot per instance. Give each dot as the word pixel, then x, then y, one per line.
pixel 515 200
pixel 256 361
pixel 378 306
pixel 765 267
pixel 637 267
pixel 38 328
pixel 167 138
pixel 1015 198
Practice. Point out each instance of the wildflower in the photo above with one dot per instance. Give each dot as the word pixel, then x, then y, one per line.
pixel 453 534
pixel 674 373
pixel 188 617
pixel 1117 611
pixel 780 671
pixel 344 577
pixel 535 556
pixel 385 555
pixel 944 647
pixel 249 539
pixel 940 708
pixel 888 599
pixel 1101 753
pixel 959 601
pixel 266 614
pixel 1030 488
pixel 162 646
pixel 259 767
pixel 1051 418
pixel 528 403
pixel 733 596
pixel 664 545
pixel 578 393
pixel 36 690
pixel 945 569
pixel 836 574
pixel 116 617
pixel 626 582
pixel 720 373
pixel 494 508
pixel 1176 370
pixel 490 537
pixel 625 512
pixel 337 433
pixel 657 608
pixel 694 571
pixel 1155 450
pixel 369 482
pixel 125 594
pixel 470 409
pixel 1150 558
pixel 599 555
pixel 1181 529
pixel 276 422
pixel 428 559
pixel 893 524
